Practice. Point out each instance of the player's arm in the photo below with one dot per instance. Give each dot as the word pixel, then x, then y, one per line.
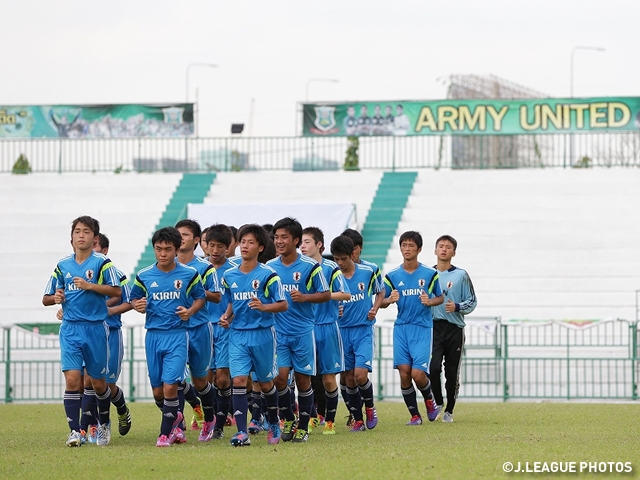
pixel 275 307
pixel 391 294
pixel 54 292
pixel 433 296
pixel 227 317
pixel 339 289
pixel 106 290
pixel 213 297
pixel 469 301
pixel 316 283
pixel 139 296
pixel 195 290
pixel 211 285
pixel 377 287
pixel 186 313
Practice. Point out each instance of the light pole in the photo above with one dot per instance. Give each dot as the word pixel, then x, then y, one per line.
pixel 210 65
pixel 573 51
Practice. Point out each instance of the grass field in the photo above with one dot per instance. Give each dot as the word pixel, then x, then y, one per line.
pixel 483 437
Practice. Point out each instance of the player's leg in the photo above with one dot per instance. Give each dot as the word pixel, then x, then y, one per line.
pixel 96 356
pixel 173 352
pixel 89 407
pixel 452 364
pixel 437 355
pixel 420 353
pixel 364 362
pixel 200 354
pixel 116 353
pixel 303 351
pixel 281 382
pixel 255 405
pixel 402 361
pixel 330 362
pixel 222 377
pixel 265 368
pixel 71 361
pixel 240 368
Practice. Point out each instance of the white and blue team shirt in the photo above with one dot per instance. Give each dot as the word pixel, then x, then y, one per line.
pixel 410 286
pixel 83 305
pixel 240 288
pixel 304 275
pixel 165 292
pixel 457 287
pixel 215 310
pixel 327 312
pixel 377 273
pixel 210 283
pixel 363 288
pixel 115 321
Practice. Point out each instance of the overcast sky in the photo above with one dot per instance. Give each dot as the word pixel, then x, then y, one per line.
pixel 137 51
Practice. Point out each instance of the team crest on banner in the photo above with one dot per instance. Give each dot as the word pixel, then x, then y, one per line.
pixel 177 284
pixel 361 286
pixel 421 283
pixel 296 276
pixel 255 284
pixel 325 120
pixel 89 274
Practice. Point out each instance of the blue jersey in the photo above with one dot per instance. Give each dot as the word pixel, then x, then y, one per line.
pixel 410 286
pixel 363 287
pixel 83 305
pixel 165 292
pixel 209 282
pixel 457 287
pixel 215 310
pixel 377 273
pixel 240 288
pixel 304 275
pixel 327 312
pixel 115 321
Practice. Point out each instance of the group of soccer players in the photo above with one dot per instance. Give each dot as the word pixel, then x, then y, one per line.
pixel 257 325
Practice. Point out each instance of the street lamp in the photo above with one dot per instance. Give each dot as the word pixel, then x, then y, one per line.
pixel 306 90
pixel 210 65
pixel 573 51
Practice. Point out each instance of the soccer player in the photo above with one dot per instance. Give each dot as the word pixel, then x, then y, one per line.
pixel 231 251
pixel 80 283
pixel 169 293
pixel 401 124
pixel 448 324
pixel 304 285
pixel 199 327
pixel 254 293
pixel 415 289
pixel 356 328
pixel 219 238
pixel 203 242
pixel 350 123
pixel 328 339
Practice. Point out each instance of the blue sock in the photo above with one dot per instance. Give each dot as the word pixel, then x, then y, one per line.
pixel 88 405
pixel 240 406
pixel 271 400
pixel 366 391
pixel 169 415
pixel 355 403
pixel 207 397
pixel 224 403
pixel 104 405
pixel 119 402
pixel 306 403
pixel 284 405
pixel 71 404
pixel 332 405
pixel 409 395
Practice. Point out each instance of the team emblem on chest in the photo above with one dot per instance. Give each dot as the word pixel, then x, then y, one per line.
pixel 449 284
pixel 296 276
pixel 177 284
pixel 361 286
pixel 421 283
pixel 89 274
pixel 255 284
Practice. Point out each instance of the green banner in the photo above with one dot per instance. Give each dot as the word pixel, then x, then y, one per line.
pixel 473 117
pixel 96 121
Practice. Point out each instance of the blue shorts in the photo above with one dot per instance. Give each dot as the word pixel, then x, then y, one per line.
pixel 166 356
pixel 412 346
pixel 358 347
pixel 297 352
pixel 329 348
pixel 200 349
pixel 116 352
pixel 220 347
pixel 85 344
pixel 253 351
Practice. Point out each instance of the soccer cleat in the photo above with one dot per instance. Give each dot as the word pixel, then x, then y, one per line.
pixel 177 434
pixel 273 433
pixel 350 420
pixel 314 422
pixel 301 436
pixel 441 410
pixel 124 423
pixel 83 437
pixel 163 441
pixel 432 409
pixel 230 421
pixel 329 428
pixel 240 439
pixel 207 431
pixel 104 434
pixel 321 420
pixel 289 430
pixel 74 439
pixel 217 434
pixel 372 418
pixel 415 420
pixel 358 426
pixel 255 427
pixel 447 417
pixel 92 434
pixel 198 417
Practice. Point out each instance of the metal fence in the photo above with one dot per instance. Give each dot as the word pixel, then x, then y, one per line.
pixel 502 361
pixel 306 153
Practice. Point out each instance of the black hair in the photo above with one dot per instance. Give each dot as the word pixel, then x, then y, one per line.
pixel 191 225
pixel 103 241
pixel 268 253
pixel 268 227
pixel 90 222
pixel 412 236
pixel 355 237
pixel 203 234
pixel 342 245
pixel 315 232
pixel 167 235
pixel 219 233
pixel 292 226
pixel 234 231
pixel 448 238
pixel 260 234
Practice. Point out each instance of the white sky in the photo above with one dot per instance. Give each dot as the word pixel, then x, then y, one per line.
pixel 137 51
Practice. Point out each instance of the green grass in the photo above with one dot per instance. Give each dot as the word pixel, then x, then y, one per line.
pixel 483 437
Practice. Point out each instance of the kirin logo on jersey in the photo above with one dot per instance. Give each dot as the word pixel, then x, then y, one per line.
pixel 449 284
pixel 421 283
pixel 361 286
pixel 89 274
pixel 255 284
pixel 325 121
pixel 296 276
pixel 177 284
